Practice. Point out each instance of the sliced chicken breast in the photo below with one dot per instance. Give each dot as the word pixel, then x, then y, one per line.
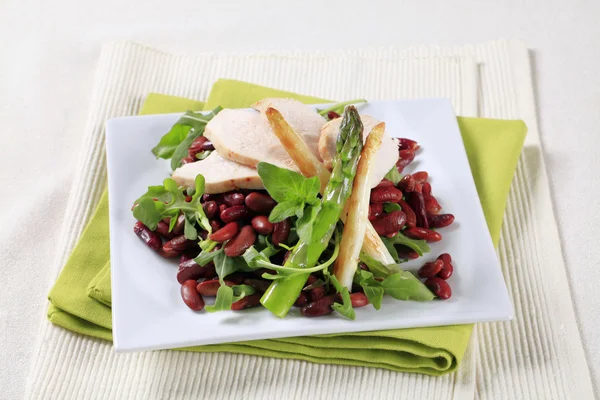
pixel 386 157
pixel 245 137
pixel 303 118
pixel 221 175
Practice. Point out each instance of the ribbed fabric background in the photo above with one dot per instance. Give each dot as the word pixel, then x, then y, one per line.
pixel 539 355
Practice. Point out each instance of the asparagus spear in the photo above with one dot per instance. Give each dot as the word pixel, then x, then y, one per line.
pixel 282 293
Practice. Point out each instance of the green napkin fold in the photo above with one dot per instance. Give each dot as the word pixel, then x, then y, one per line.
pixel 80 299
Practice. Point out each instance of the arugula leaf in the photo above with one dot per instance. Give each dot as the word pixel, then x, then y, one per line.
pixel 371 287
pixel 420 246
pixel 286 209
pixel 189 122
pixel 285 185
pixel 225 265
pixel 346 307
pixel 148 212
pixel 151 212
pixel 405 286
pixel 375 266
pixel 206 257
pixel 189 230
pixel 393 175
pixel 391 207
pixel 226 296
pixel 223 301
pixel 156 192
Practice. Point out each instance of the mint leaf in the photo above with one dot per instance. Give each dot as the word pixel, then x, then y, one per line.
pixel 285 210
pixel 405 286
pixel 393 175
pixel 305 224
pixel 391 207
pixel 286 185
pixel 346 307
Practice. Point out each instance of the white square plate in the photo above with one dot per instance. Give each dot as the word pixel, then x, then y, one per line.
pixel 147 309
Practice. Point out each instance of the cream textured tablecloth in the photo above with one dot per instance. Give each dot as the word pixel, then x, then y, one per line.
pixel 537 355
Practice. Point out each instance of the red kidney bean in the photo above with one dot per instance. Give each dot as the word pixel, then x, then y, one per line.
pixel 152 239
pixel 179 225
pixel 217 198
pixel 240 242
pixel 418 187
pixel 190 270
pixel 237 277
pixel 421 176
pixel 169 253
pixel 440 220
pixel 446 271
pixel 406 252
pixel 385 183
pixel 247 302
pixel 259 284
pixel 359 299
pixel 406 157
pixel 210 287
pixel 215 225
pixel 261 224
pixel 417 203
pixel 222 207
pixel 448 268
pixel 207 146
pixel 188 198
pixel 389 223
pixel 233 199
pixel 430 269
pixel 225 233
pixel 210 209
pixel 445 257
pixel 431 205
pixel 281 231
pixel 375 210
pixel 233 213
pixel 190 296
pixel 439 287
pixel 332 115
pixel 178 243
pixel 407 144
pixel 411 217
pixel 423 233
pixel 388 194
pixel 426 190
pixel 196 147
pixel 407 183
pixel 163 230
pixel 260 203
pixel 187 160
pixel 302 300
pixel 319 307
pixel 317 292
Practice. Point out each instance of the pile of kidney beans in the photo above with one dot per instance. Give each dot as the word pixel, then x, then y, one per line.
pixel 238 217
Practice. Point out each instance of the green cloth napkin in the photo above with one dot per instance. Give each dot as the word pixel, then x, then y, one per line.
pixel 80 298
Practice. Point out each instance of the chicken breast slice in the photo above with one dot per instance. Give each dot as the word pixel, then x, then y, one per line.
pixel 220 175
pixel 386 156
pixel 245 137
pixel 303 118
